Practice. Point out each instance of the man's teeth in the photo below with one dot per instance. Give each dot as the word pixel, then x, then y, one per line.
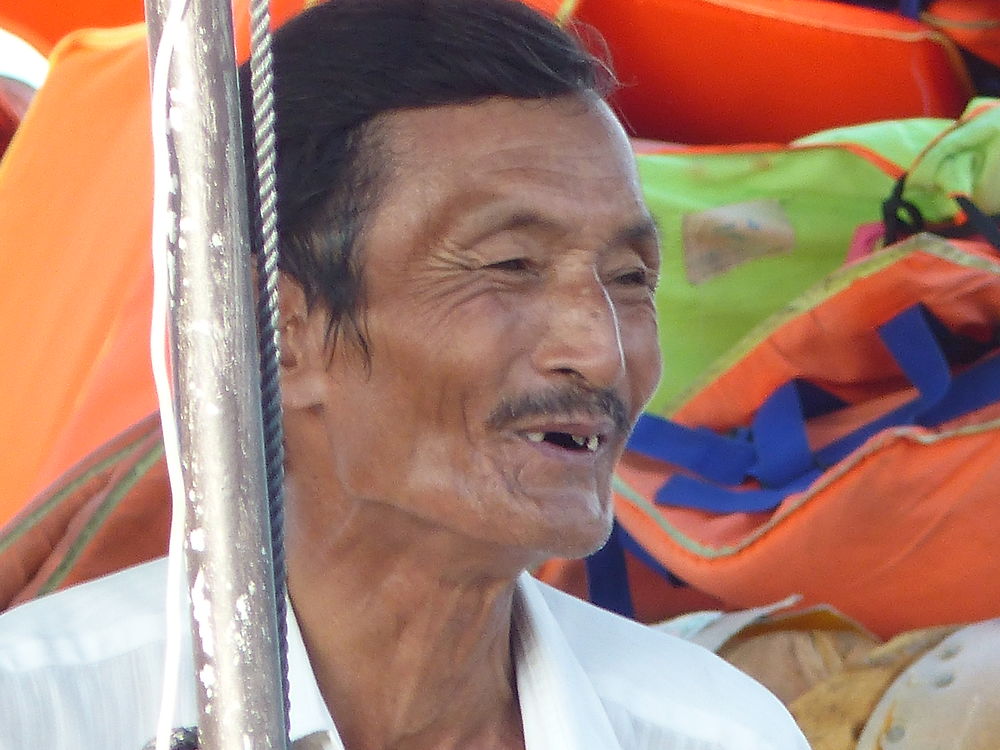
pixel 590 442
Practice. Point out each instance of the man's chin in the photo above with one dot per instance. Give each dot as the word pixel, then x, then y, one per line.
pixel 584 537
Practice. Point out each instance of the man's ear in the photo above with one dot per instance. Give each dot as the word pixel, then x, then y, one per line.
pixel 302 337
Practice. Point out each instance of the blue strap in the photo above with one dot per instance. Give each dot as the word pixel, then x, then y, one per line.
pixel 776 451
pixel 632 546
pixel 779 437
pixel 916 348
pixel 715 457
pixel 607 575
pixel 911 8
pixel 695 492
pixel 607 578
pixel 778 432
pixel 911 339
pixel 974 389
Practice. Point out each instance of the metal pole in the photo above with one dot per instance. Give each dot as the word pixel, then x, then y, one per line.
pixel 227 547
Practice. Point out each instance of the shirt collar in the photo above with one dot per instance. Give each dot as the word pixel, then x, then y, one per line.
pixel 308 713
pixel 560 709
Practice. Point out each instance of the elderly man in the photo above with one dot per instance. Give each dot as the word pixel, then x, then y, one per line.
pixel 468 334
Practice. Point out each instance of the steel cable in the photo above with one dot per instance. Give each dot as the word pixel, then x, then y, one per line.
pixel 265 227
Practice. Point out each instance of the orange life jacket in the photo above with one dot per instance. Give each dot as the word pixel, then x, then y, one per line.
pixel 762 485
pixel 752 71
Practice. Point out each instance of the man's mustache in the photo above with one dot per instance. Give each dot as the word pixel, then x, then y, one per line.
pixel 598 403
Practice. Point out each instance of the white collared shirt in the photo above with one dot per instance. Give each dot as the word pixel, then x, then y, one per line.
pixel 83 668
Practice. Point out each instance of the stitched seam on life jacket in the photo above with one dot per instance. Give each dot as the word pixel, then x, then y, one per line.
pixel 649 510
pixel 30 521
pixel 921 435
pixel 110 502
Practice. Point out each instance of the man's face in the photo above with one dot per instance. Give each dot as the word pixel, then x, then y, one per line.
pixel 509 267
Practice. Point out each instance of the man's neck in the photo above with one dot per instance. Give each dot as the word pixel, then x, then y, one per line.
pixel 409 650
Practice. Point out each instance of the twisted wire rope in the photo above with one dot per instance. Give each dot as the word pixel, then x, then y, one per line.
pixel 266 228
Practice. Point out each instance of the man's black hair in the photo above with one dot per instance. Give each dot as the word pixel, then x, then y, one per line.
pixel 341 64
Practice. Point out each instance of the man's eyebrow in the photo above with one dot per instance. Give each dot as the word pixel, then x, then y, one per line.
pixel 640 232
pixel 527 219
pixel 644 231
pixel 476 225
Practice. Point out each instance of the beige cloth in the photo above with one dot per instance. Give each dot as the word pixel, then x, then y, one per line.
pixel 922 690
pixel 834 712
pixel 791 653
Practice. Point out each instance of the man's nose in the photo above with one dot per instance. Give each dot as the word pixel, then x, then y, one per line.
pixel 581 334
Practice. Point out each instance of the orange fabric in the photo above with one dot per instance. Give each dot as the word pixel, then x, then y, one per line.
pixel 42 23
pixel 974 24
pixel 899 535
pixel 108 512
pixel 75 189
pixel 923 562
pixel 283 10
pixel 731 71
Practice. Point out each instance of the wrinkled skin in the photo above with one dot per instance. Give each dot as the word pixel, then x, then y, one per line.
pixel 511 255
pixel 509 268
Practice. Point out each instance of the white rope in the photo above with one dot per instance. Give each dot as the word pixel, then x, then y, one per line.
pixel 165 223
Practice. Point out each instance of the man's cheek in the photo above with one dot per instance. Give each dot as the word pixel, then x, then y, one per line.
pixel 644 363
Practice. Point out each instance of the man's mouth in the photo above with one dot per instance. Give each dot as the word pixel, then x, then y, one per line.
pixel 566 440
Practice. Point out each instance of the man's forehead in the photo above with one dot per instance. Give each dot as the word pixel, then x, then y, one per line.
pixel 560 167
pixel 490 128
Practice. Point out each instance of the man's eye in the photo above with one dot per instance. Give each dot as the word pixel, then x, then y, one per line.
pixel 511 264
pixel 636 277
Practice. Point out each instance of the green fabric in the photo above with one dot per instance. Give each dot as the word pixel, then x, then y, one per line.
pixel 966 160
pixel 897 140
pixel 816 193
